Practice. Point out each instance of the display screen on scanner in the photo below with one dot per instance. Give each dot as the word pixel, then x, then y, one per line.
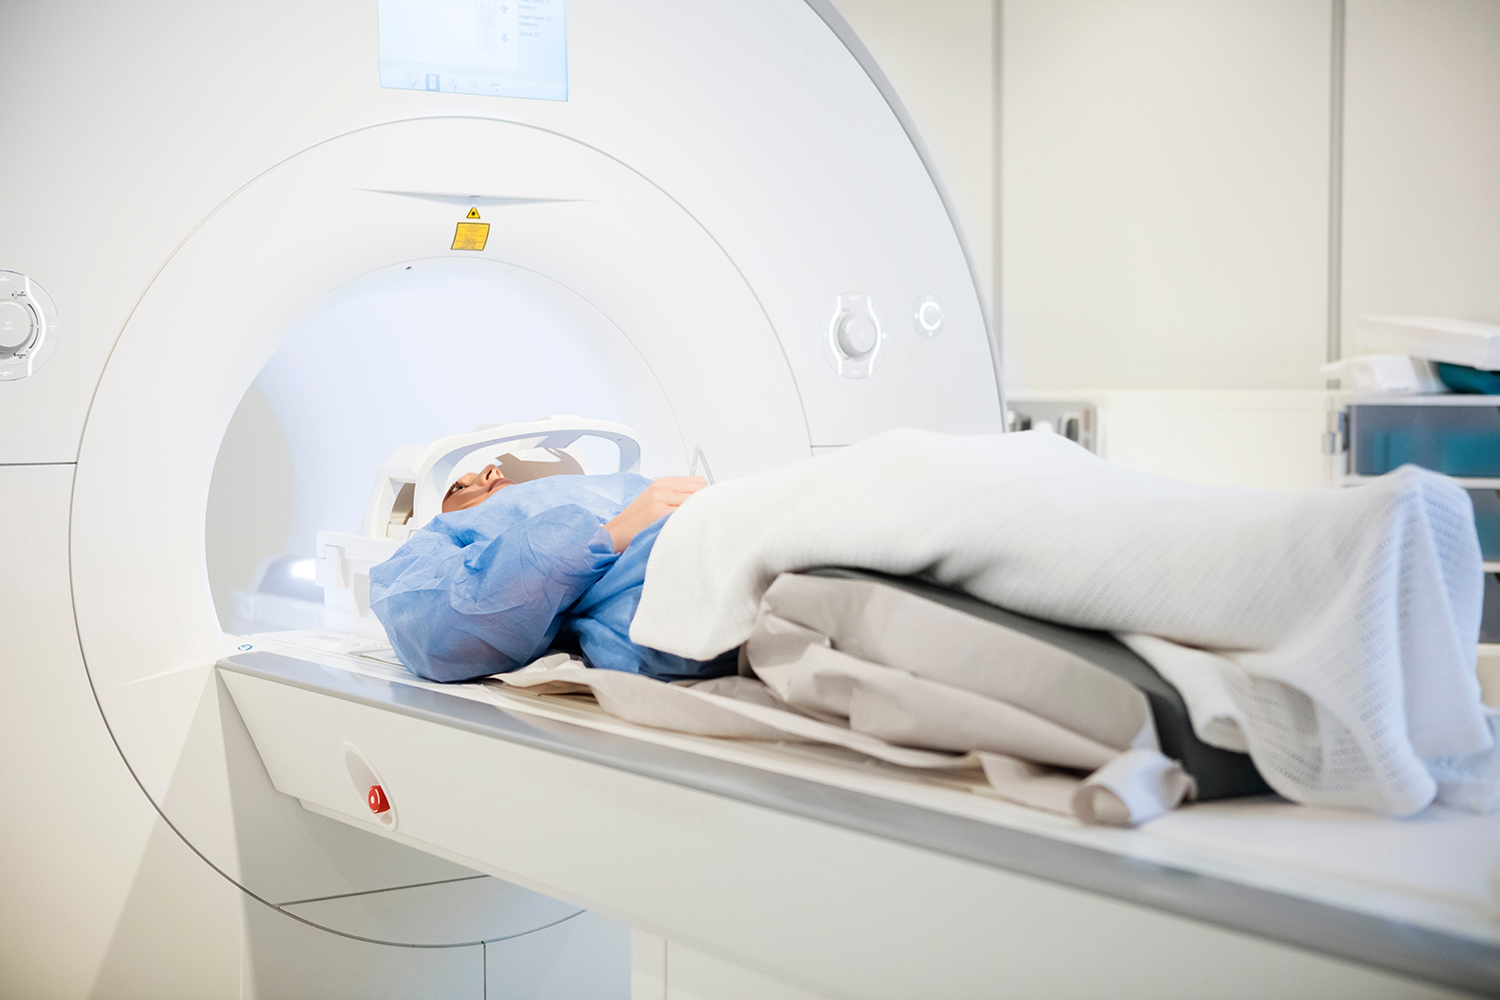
pixel 501 48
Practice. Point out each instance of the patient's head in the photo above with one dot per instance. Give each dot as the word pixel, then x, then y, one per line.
pixel 474 488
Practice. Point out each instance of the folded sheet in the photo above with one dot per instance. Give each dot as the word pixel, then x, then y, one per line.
pixel 1133 787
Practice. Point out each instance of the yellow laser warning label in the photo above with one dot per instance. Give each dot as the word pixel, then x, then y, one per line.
pixel 471 235
pixel 473 213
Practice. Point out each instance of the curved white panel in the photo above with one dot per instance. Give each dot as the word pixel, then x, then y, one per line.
pixel 649 306
pixel 220 308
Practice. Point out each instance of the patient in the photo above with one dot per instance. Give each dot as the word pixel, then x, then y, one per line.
pixel 511 570
pixel 651 505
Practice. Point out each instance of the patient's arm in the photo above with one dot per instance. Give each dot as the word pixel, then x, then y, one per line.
pixel 657 501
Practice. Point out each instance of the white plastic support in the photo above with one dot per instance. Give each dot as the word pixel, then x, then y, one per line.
pixel 344 560
pixel 343 571
pixel 431 468
pixel 331 568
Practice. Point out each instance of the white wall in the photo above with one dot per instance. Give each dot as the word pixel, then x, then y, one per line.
pixel 1170 206
pixel 1422 160
pixel 1165 177
pixel 1164 192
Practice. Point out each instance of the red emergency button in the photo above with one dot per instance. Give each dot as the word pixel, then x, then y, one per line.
pixel 377 800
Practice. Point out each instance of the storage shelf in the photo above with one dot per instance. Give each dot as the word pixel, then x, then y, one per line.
pixel 1346 479
pixel 1436 399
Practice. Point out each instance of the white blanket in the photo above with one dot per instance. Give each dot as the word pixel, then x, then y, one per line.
pixel 1330 633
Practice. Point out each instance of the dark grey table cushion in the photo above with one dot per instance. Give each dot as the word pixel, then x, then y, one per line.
pixel 1220 774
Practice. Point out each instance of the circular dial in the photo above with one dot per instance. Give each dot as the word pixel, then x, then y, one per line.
pixel 853 339
pixel 857 335
pixel 17 326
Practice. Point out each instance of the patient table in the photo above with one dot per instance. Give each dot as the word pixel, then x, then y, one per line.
pixel 803 871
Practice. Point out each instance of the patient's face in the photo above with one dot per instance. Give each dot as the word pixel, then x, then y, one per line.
pixel 474 488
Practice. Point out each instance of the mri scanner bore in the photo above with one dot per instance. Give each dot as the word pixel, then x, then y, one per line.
pixel 331 406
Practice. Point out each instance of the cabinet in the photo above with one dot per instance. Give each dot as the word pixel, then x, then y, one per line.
pixel 1456 435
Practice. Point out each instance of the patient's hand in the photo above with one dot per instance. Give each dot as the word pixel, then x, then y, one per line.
pixel 659 499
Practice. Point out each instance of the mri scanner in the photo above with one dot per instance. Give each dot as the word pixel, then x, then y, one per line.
pixel 719 241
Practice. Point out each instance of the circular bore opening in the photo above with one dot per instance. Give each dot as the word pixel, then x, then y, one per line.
pixel 399 357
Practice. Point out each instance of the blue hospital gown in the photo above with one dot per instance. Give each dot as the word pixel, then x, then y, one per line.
pixel 489 589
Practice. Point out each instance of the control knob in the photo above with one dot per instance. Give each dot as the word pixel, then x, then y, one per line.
pixel 853 340
pixel 857 335
pixel 17 326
